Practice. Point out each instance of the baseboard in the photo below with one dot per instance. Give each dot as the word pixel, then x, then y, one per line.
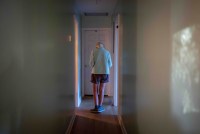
pixel 69 129
pixel 121 124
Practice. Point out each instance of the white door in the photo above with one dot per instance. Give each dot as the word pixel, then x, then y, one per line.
pixel 90 37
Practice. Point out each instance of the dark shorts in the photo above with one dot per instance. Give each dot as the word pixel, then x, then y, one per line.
pixel 99 78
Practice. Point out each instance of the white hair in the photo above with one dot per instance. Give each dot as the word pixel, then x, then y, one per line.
pixel 99 44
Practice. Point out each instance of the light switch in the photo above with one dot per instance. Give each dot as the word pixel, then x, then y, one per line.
pixel 70 38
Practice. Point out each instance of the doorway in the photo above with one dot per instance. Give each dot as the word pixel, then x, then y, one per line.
pixel 89 38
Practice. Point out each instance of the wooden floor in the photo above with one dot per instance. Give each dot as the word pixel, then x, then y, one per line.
pixel 96 123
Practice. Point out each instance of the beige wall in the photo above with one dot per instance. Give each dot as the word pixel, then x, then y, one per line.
pixel 153 68
pixel 159 66
pixel 185 64
pixel 36 67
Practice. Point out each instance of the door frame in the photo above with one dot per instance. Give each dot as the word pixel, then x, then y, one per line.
pixel 116 39
pixel 115 64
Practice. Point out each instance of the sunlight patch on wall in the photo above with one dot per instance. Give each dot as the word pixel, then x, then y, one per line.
pixel 186 70
pixel 77 62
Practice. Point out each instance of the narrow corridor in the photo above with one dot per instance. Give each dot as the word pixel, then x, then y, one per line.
pixel 155 49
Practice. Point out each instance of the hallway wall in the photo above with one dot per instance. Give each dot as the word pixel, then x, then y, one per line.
pixel 185 65
pixel 96 22
pixel 159 66
pixel 36 66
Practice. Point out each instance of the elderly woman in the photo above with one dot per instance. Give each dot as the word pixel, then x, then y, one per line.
pixel 100 62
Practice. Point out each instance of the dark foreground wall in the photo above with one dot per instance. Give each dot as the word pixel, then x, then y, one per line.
pixel 160 51
pixel 36 66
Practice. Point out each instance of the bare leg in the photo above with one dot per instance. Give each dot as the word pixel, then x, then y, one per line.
pixel 101 93
pixel 95 88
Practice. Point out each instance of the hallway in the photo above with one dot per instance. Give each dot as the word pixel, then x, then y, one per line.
pixel 155 48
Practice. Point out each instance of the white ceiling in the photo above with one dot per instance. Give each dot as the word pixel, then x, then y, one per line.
pixel 96 6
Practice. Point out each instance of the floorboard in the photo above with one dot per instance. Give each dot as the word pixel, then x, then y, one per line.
pixel 96 123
